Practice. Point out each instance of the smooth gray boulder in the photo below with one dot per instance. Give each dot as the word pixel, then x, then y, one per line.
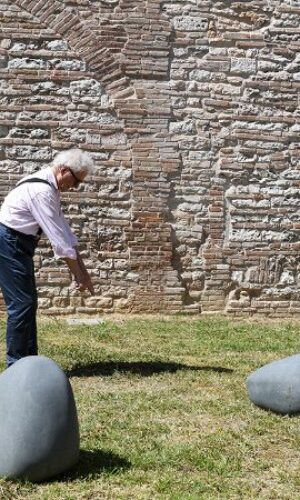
pixel 276 386
pixel 39 432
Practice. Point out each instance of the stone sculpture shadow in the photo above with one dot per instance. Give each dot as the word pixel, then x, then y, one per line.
pixel 93 463
pixel 142 368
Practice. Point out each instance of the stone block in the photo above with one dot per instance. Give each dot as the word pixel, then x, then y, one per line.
pixel 189 23
pixel 39 433
pixel 276 386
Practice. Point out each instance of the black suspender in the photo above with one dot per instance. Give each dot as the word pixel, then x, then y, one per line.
pixel 34 179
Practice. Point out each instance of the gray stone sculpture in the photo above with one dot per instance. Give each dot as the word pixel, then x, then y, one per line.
pixel 276 386
pixel 39 433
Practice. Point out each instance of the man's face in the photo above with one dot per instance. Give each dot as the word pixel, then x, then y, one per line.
pixel 67 179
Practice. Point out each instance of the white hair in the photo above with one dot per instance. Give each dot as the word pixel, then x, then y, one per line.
pixel 76 159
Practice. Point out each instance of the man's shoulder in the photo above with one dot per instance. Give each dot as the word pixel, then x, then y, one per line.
pixel 42 180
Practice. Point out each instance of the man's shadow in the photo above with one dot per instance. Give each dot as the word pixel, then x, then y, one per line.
pixel 142 368
pixel 95 462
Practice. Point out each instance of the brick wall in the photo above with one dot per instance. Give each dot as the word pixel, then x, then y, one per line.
pixel 190 111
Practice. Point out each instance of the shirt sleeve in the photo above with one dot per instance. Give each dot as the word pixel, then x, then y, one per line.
pixel 45 208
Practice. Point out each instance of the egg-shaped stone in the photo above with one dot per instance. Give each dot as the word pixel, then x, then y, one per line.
pixel 276 386
pixel 39 431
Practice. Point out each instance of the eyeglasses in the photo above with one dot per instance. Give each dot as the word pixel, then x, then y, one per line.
pixel 77 180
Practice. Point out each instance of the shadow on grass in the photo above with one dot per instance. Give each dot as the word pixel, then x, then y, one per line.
pixel 143 368
pixel 95 462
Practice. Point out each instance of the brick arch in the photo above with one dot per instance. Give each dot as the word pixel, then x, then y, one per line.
pixel 66 22
pixel 145 112
pixel 108 51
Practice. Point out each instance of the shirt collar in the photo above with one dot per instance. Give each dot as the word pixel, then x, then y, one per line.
pixel 52 178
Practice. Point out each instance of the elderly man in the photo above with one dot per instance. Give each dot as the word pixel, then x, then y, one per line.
pixel 31 208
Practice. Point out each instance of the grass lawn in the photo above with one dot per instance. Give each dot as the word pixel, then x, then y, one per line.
pixel 164 412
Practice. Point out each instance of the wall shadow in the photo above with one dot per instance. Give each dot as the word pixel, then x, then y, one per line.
pixel 142 368
pixel 95 462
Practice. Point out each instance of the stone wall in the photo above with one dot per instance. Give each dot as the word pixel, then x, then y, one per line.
pixel 190 111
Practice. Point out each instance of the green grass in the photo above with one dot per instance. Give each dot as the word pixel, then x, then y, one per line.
pixel 164 412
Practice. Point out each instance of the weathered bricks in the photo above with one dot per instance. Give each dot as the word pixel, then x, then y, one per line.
pixel 192 121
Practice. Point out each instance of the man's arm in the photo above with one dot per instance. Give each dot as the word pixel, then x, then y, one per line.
pixel 80 273
pixel 46 211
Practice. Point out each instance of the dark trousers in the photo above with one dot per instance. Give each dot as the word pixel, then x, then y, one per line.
pixel 18 287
